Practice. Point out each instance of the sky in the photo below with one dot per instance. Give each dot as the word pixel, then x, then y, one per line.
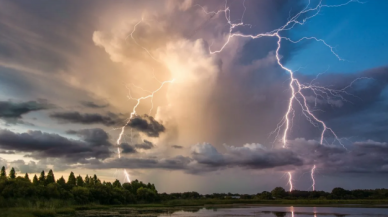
pixel 200 101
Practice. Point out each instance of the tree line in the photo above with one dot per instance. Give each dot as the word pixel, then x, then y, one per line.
pixel 90 189
pixel 81 190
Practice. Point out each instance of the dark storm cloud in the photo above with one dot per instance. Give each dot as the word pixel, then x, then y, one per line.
pixel 94 136
pixel 146 124
pixel 91 104
pixel 48 145
pixel 12 111
pixel 206 158
pixel 363 157
pixel 360 113
pixel 145 145
pixel 127 148
pixel 175 163
pixel 365 92
pixel 86 118
pixel 253 156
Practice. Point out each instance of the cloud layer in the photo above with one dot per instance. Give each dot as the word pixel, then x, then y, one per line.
pixel 93 69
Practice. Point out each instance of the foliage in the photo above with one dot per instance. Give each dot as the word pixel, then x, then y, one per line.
pixel 45 192
pixel 15 191
pixel 278 192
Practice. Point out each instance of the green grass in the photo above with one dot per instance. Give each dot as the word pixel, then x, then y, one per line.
pixel 27 212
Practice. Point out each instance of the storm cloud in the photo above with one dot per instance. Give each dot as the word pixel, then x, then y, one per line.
pixel 86 118
pixel 38 144
pixel 232 99
pixel 146 124
pixel 363 157
pixel 11 111
pixel 127 148
pixel 145 145
pixel 91 104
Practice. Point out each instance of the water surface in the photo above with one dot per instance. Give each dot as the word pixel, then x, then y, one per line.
pixel 260 211
pixel 284 212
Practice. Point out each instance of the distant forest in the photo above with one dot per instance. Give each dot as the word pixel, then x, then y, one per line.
pixel 90 190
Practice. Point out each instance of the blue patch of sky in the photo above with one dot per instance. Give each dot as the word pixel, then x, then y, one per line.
pixel 358 31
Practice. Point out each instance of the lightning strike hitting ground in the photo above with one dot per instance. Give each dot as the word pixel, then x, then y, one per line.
pixel 312 177
pixel 294 84
pixel 138 100
pixel 290 181
pixel 297 96
pixel 133 114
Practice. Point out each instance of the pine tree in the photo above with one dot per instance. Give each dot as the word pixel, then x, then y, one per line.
pixel 12 173
pixel 3 173
pixel 71 181
pixel 61 181
pixel 80 181
pixel 87 180
pixel 42 178
pixel 35 180
pixel 95 180
pixel 26 177
pixel 50 177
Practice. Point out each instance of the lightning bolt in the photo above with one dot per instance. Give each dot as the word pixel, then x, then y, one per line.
pixel 290 181
pixel 135 41
pixel 133 114
pixel 297 96
pixel 312 177
pixel 295 86
pixel 138 100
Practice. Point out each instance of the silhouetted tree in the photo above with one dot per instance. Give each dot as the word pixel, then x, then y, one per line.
pixel 87 181
pixel 61 182
pixel 81 194
pixel 265 195
pixel 339 193
pixel 278 192
pixel 27 178
pixel 117 184
pixel 12 173
pixel 79 181
pixel 42 178
pixel 146 194
pixel 50 178
pixel 95 180
pixel 71 181
pixel 35 180
pixel 3 173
